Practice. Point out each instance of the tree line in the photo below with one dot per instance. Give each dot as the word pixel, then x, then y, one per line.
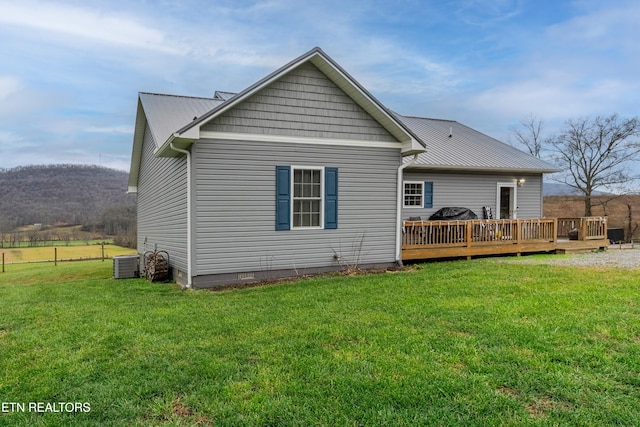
pixel 49 195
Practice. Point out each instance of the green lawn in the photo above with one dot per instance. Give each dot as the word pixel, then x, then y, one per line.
pixel 453 343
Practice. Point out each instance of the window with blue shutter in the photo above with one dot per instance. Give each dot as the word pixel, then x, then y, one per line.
pixel 299 201
pixel 417 194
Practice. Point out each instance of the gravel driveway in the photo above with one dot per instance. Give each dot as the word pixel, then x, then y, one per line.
pixel 615 257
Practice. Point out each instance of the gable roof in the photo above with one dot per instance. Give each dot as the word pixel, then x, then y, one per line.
pixel 177 120
pixel 164 114
pixel 184 136
pixel 454 146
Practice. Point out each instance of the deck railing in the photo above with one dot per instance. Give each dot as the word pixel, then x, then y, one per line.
pixel 442 239
pixel 465 233
pixel 587 228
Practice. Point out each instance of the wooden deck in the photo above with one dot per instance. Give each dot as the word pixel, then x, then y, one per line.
pixel 591 234
pixel 577 246
pixel 447 239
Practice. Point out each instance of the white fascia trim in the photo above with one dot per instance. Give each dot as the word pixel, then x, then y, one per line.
pixel 412 147
pixel 298 140
pixel 132 189
pixel 193 133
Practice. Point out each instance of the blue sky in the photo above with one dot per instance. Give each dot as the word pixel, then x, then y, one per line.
pixel 71 70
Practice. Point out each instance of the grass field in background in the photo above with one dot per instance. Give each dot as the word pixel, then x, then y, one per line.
pixel 471 343
pixel 54 243
pixel 43 253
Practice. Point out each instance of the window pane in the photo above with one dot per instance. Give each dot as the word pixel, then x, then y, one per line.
pixel 315 190
pixel 413 194
pixel 297 215
pixel 314 206
pixel 306 213
pixel 297 186
pixel 307 197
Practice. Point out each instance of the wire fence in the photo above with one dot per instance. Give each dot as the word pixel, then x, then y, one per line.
pixel 57 256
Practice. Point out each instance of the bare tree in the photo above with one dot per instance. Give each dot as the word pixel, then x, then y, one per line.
pixel 596 154
pixel 529 134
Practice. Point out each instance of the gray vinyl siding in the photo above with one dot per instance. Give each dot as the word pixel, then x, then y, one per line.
pixel 162 205
pixel 475 190
pixel 235 218
pixel 301 103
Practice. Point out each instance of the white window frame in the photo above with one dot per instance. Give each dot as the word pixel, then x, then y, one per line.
pixel 293 198
pixel 404 194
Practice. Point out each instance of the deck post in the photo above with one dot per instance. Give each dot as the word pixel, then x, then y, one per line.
pixel 518 235
pixel 468 235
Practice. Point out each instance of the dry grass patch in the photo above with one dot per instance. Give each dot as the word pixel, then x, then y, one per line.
pixel 47 253
pixel 540 408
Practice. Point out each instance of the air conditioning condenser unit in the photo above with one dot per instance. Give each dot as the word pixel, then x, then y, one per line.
pixel 125 266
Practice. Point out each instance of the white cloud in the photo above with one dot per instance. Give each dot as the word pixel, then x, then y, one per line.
pixel 9 86
pixel 8 137
pixel 584 66
pixel 487 12
pixel 82 24
pixel 18 100
pixel 544 97
pixel 612 26
pixel 122 129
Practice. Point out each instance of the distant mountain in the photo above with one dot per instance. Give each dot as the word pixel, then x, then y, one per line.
pixel 558 189
pixel 70 194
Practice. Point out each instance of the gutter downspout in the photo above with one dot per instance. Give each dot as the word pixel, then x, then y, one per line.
pixel 399 209
pixel 189 255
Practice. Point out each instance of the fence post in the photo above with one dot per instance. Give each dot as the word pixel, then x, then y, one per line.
pixel 3 262
pixel 102 252
pixel 55 256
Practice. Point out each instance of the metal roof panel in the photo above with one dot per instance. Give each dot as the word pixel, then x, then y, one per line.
pixel 452 145
pixel 168 113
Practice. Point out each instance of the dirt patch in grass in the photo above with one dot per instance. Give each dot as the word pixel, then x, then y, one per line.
pixel 508 391
pixel 178 413
pixel 541 407
pixel 181 410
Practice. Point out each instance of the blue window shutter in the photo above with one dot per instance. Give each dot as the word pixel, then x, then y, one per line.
pixel 330 198
pixel 283 197
pixel 428 194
